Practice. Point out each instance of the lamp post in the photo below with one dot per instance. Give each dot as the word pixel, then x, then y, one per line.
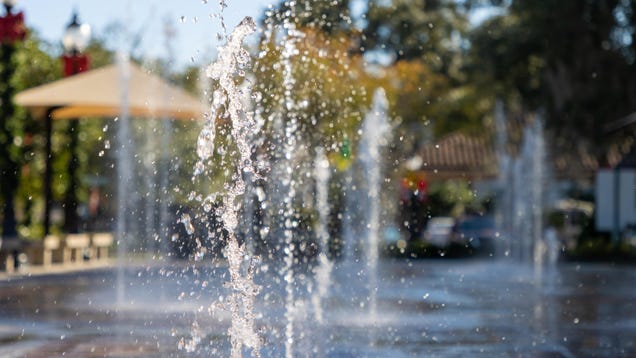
pixel 12 30
pixel 75 40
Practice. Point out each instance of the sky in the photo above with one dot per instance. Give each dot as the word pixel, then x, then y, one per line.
pixel 193 21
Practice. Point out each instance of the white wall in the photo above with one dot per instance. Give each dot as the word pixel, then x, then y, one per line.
pixel 607 212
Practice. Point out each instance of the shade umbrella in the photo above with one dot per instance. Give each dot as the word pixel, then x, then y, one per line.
pixel 98 93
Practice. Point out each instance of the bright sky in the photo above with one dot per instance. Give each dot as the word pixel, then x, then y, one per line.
pixel 194 22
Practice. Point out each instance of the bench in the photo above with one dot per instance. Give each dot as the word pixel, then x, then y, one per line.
pixel 41 253
pixel 100 244
pixel 74 247
pixel 9 250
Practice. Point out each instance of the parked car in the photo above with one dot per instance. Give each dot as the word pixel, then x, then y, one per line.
pixel 475 230
pixel 439 230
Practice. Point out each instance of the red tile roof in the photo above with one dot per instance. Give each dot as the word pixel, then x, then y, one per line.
pixel 458 155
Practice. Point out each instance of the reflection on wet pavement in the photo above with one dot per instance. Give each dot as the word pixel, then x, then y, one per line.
pixel 427 308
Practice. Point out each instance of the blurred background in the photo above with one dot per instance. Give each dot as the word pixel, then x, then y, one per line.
pixel 445 65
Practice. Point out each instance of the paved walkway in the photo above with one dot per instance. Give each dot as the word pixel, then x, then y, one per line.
pixel 26 271
pixel 453 308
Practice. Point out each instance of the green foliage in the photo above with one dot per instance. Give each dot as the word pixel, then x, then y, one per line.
pixel 36 62
pixel 450 198
pixel 326 16
pixel 427 81
pixel 556 219
pixel 419 249
pixel 425 30
pixel 426 87
pixel 98 53
pixel 573 59
pixel 29 65
pixel 328 89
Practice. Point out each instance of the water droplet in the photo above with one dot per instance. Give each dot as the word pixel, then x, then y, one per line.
pixel 207 205
pixel 199 255
pixel 205 142
pixel 187 223
pixel 199 168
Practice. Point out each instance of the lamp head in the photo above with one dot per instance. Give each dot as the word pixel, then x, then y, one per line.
pixel 76 36
pixel 9 4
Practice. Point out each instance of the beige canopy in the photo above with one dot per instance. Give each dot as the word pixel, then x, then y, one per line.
pixel 99 92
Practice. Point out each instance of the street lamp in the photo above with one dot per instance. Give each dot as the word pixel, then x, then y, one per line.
pixel 75 40
pixel 12 30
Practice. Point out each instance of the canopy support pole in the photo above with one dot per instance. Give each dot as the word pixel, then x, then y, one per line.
pixel 48 170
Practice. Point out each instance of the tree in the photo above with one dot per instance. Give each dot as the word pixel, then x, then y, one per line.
pixel 326 16
pixel 36 64
pixel 9 151
pixel 426 82
pixel 572 59
pixel 323 79
pixel 29 66
pixel 429 31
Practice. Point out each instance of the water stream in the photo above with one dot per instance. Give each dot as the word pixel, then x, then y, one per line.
pixel 124 176
pixel 524 182
pixel 325 265
pixel 375 132
pixel 228 104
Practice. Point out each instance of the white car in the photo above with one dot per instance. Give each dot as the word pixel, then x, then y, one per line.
pixel 439 231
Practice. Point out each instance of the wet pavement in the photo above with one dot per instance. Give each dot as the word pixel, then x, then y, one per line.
pixel 447 308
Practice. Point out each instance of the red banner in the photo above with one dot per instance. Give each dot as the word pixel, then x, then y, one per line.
pixel 74 64
pixel 12 28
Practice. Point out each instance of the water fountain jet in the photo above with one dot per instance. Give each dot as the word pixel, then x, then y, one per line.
pixel 375 130
pixel 325 266
pixel 524 194
pixel 228 103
